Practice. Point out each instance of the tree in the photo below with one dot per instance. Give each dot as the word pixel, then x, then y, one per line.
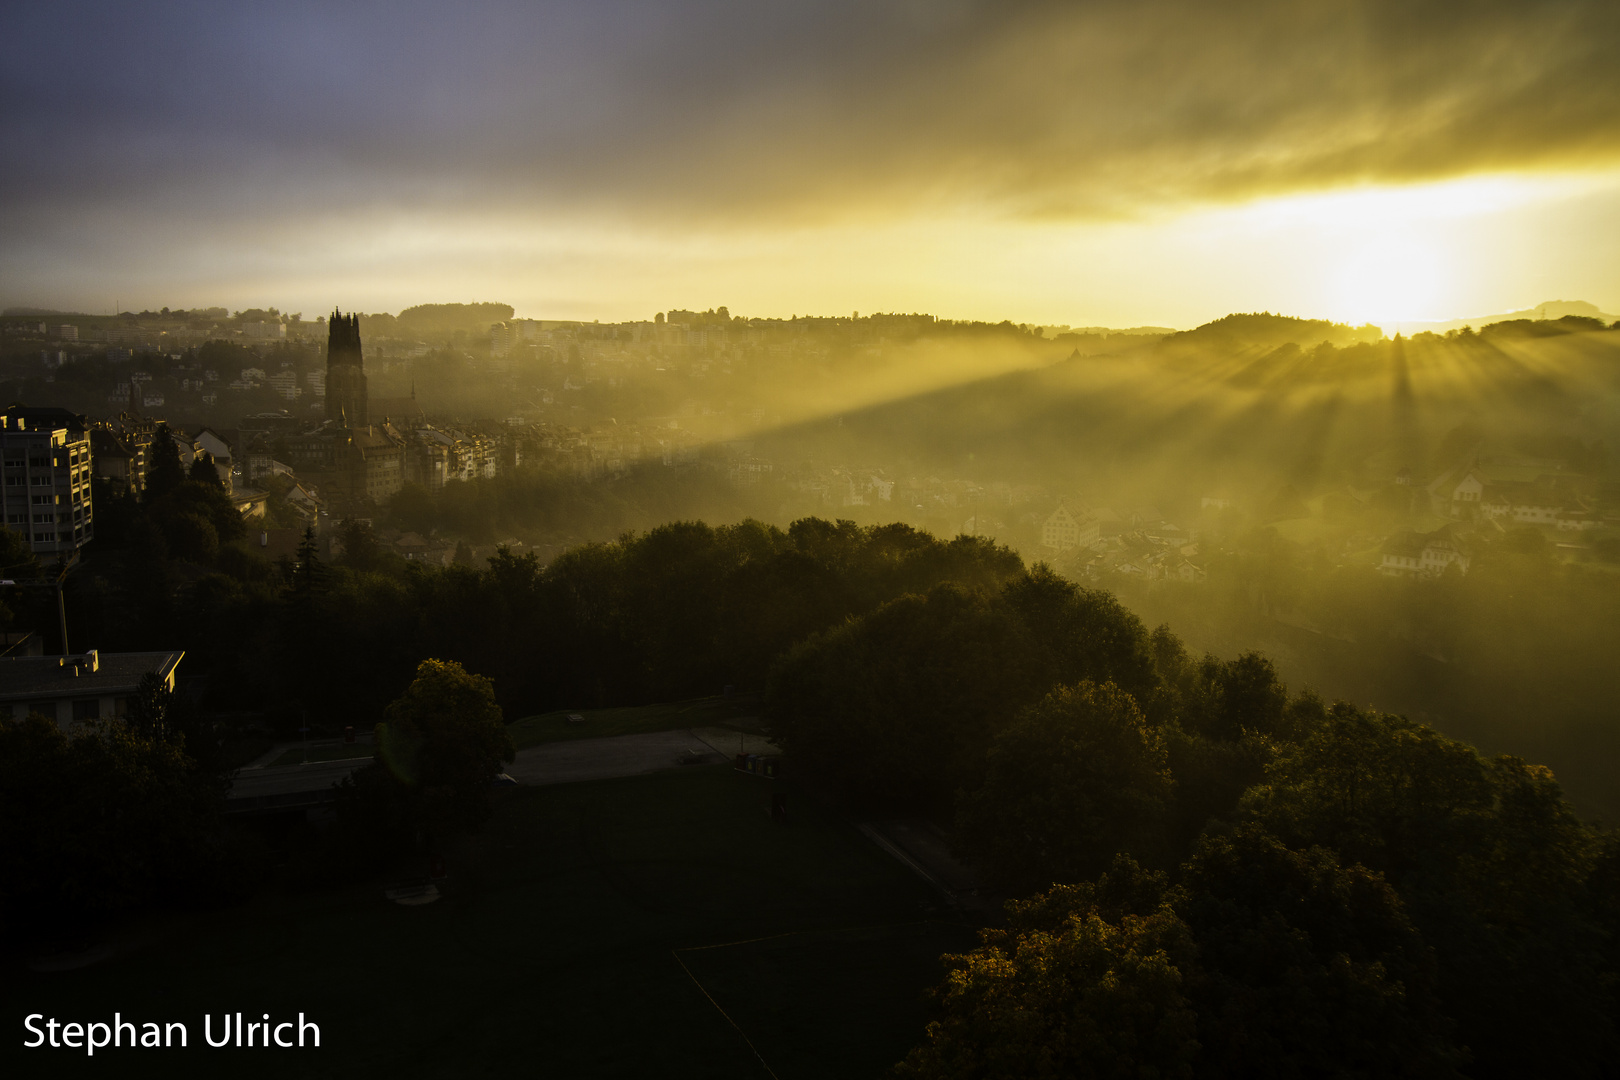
pixel 164 473
pixel 361 550
pixel 443 741
pixel 1262 962
pixel 1083 634
pixel 1490 860
pixel 149 710
pixel 204 471
pixel 1087 998
pixel 1075 779
pixel 900 705
pixel 142 818
pixel 17 559
pixel 192 537
pixel 1306 966
pixel 309 573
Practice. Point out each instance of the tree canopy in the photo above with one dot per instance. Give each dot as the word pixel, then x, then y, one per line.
pixel 443 741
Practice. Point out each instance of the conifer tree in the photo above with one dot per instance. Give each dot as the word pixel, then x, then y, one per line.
pixel 164 473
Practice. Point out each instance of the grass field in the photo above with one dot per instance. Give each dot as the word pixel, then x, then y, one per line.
pixel 740 713
pixel 573 938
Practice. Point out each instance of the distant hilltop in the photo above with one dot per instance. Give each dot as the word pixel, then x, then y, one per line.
pixel 436 320
pixel 1551 309
pixel 1264 328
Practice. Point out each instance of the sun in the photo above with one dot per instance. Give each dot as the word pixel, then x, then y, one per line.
pixel 1387 282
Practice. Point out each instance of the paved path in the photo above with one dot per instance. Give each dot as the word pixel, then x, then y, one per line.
pixel 618 755
pixel 288 786
pixel 550 763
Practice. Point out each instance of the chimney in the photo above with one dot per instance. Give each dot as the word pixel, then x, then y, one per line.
pixel 88 663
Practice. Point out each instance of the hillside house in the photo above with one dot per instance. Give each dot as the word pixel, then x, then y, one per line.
pixel 1415 554
pixel 1458 493
pixel 1064 530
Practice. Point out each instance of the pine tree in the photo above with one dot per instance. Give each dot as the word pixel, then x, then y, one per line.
pixel 203 471
pixel 309 574
pixel 164 473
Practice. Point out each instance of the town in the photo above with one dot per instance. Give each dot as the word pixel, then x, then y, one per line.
pixel 305 429
pixel 750 632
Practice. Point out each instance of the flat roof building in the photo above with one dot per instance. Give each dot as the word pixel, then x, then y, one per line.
pixel 45 466
pixel 80 688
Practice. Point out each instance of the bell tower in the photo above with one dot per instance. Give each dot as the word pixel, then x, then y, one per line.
pixel 345 372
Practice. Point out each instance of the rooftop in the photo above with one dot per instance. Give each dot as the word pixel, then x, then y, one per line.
pixel 90 674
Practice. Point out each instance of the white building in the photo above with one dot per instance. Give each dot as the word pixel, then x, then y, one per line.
pixel 500 339
pixel 264 331
pixel 1414 554
pixel 1064 531
pixel 1457 494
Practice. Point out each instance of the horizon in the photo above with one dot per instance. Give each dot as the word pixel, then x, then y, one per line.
pixel 1390 329
pixel 1151 165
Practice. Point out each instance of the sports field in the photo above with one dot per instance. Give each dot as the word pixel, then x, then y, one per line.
pixel 649 926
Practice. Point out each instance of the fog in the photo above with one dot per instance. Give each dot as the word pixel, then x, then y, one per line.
pixel 1272 458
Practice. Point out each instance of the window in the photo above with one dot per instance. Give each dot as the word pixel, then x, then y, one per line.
pixel 87 709
pixel 47 709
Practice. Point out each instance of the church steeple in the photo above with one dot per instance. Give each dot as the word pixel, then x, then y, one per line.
pixel 345 371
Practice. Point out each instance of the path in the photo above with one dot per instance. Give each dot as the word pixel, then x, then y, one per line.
pixel 294 786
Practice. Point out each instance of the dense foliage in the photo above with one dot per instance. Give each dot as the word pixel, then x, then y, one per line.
pixel 109 818
pixel 682 610
pixel 1292 888
pixel 1333 890
pixel 443 741
pixel 1262 962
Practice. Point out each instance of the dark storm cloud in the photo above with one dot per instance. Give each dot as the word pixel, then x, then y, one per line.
pixel 707 110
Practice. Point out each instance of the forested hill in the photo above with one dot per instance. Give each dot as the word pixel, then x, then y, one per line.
pixel 436 322
pixel 1266 329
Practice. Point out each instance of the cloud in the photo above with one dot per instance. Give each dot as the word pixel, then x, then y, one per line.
pixel 604 157
pixel 730 111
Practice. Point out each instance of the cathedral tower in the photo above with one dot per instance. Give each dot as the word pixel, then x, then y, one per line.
pixel 345 374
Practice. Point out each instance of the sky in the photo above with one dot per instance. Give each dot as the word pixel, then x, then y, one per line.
pixel 1084 163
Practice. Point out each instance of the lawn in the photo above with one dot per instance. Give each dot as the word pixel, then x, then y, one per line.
pixel 740 713
pixel 582 933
